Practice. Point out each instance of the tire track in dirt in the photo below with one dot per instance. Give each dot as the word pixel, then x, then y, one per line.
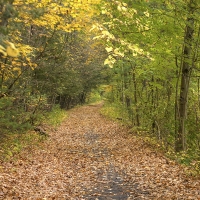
pixel 91 157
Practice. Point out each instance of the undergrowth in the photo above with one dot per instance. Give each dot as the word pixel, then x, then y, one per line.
pixel 56 116
pixel 189 158
pixel 93 97
pixel 111 111
pixel 12 143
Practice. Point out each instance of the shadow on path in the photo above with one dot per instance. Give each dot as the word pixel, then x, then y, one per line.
pixel 110 183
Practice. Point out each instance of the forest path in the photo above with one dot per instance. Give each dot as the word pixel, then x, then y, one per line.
pixel 91 157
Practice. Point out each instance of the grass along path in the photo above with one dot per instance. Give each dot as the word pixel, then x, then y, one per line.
pixel 90 157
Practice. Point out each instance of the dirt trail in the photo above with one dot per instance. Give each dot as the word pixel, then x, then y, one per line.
pixel 90 157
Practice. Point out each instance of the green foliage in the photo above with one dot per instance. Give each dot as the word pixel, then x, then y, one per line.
pixel 56 63
pixel 94 96
pixel 112 111
pixel 61 63
pixel 13 144
pixel 12 119
pixel 56 116
pixel 14 140
pixel 145 84
pixel 189 158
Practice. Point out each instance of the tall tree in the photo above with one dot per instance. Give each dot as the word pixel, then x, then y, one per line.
pixel 188 61
pixel 149 36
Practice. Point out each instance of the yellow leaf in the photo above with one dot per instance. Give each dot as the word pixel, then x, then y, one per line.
pixel 3 50
pixel 16 69
pixel 11 49
pixel 109 49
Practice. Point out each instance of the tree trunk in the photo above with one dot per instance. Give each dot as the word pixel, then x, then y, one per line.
pixel 135 99
pixel 186 69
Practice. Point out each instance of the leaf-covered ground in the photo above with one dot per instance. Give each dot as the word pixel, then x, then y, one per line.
pixel 90 157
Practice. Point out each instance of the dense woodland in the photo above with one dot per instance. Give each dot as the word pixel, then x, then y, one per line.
pixel 141 56
pixel 47 59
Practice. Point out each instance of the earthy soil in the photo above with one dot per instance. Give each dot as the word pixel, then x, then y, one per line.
pixel 91 157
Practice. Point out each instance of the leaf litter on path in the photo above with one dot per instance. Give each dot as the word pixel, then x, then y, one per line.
pixel 90 157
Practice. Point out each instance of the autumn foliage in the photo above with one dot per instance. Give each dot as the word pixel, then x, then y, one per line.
pixel 47 58
pixel 141 58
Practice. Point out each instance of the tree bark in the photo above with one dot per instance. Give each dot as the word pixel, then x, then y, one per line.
pixel 136 99
pixel 186 69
